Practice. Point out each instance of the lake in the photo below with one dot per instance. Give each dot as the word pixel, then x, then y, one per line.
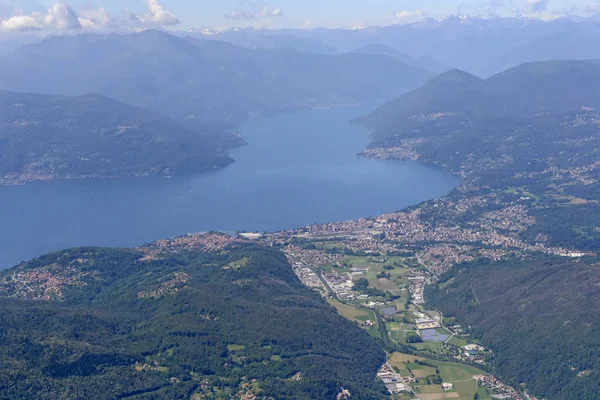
pixel 298 169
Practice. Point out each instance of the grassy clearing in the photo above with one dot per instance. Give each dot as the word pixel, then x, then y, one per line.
pixel 385 285
pixel 353 313
pixel 396 358
pixel 235 347
pixel 422 372
pixel 237 264
pixel 440 396
pixel 452 372
pixel 443 331
pixel 458 342
pixel 431 346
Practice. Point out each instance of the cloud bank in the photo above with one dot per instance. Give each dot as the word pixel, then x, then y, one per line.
pixel 264 12
pixel 407 16
pixel 62 17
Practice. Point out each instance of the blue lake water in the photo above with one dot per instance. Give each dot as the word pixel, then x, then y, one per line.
pixel 298 169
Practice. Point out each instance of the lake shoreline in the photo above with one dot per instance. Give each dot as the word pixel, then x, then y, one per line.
pixel 298 169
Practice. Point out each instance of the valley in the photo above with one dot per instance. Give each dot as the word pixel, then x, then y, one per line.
pixel 444 244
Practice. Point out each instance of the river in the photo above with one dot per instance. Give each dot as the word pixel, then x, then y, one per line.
pixel 298 169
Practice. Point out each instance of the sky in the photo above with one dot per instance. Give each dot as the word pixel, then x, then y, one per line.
pixel 43 15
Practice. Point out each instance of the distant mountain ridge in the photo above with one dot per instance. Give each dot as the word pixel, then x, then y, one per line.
pixel 424 62
pixel 201 81
pixel 483 46
pixel 258 39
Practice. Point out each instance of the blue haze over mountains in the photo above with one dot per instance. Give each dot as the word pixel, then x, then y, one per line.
pixel 477 45
pixel 510 105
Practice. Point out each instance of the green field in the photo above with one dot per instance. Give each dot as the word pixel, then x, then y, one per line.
pixel 384 285
pixel 443 331
pixel 431 346
pixel 353 313
pixel 237 264
pixel 458 342
pixel 461 376
pixel 452 372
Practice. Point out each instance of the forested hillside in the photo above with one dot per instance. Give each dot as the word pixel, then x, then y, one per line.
pixel 165 323
pixel 46 137
pixel 539 317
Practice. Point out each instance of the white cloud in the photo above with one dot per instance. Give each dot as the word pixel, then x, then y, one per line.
pixel 264 12
pixel 22 23
pixel 158 15
pixel 62 17
pixel 94 19
pixel 407 16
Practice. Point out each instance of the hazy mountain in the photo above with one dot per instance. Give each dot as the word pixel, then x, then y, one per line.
pixel 552 86
pixel 267 39
pixel 424 62
pixel 10 43
pixel 169 322
pixel 201 80
pixel 45 137
pixel 483 46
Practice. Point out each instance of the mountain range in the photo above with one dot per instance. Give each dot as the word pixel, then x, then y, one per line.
pixel 552 86
pixel 482 46
pixel 201 81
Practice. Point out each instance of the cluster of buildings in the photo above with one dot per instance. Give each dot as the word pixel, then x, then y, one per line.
pixel 313 257
pixel 393 381
pixel 405 151
pixel 502 391
pixel 308 277
pixel 439 245
pixel 417 288
pixel 209 242
pixel 341 285
pixel 579 174
pixel 426 322
pixel 472 353
pixel 45 283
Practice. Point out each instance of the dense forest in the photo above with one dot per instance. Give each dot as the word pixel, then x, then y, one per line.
pixel 115 324
pixel 44 137
pixel 539 317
